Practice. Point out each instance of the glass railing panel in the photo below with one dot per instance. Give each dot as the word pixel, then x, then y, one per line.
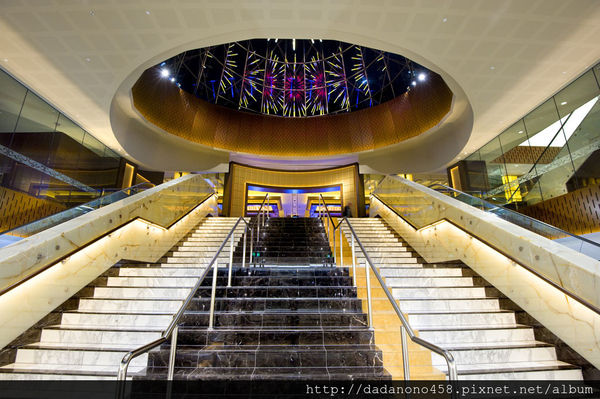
pixel 416 208
pixel 13 235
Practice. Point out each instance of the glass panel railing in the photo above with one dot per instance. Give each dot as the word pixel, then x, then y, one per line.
pixel 29 229
pixel 416 208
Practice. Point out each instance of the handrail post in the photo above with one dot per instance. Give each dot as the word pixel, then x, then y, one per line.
pixel 369 304
pixel 353 261
pixel 251 242
pixel 244 247
pixel 405 360
pixel 172 353
pixel 341 246
pixel 230 259
pixel 211 315
pixel 334 247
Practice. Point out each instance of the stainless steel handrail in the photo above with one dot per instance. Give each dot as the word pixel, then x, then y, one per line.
pixel 172 329
pixel 264 212
pixel 406 328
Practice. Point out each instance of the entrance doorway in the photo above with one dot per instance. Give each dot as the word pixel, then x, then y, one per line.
pixel 293 201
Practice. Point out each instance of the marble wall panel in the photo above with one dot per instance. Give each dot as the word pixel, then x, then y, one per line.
pixel 440 241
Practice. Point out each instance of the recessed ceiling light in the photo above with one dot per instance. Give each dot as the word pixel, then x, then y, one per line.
pixel 92 13
pixel 147 12
pixel 564 72
pixel 172 79
pixel 88 59
pixel 414 83
pixel 520 131
pixel 5 60
pixel 492 67
pixel 563 103
pixel 421 77
pixel 445 19
pixel 164 72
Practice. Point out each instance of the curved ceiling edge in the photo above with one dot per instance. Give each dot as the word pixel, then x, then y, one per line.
pixel 380 159
pixel 184 115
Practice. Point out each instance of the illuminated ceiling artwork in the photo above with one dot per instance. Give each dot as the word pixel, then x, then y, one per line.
pixel 293 77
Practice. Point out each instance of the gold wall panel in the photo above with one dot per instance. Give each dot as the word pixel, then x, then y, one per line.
pixel 241 175
pixel 529 155
pixel 577 212
pixel 182 114
pixel 17 208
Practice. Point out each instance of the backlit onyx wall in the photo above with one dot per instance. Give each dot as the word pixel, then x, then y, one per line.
pixel 196 120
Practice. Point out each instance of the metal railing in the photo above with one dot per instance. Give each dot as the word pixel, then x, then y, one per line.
pixel 405 328
pixel 577 243
pixel 264 213
pixel 173 329
pixel 47 222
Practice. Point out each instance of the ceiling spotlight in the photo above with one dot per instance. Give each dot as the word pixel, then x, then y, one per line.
pixel 294 44
pixel 164 72
pixel 88 59
pixel 563 103
pixel 172 79
pixel 445 19
pixel 414 83
pixel 492 67
pixel 421 77
pixel 520 131
pixel 147 12
pixel 92 13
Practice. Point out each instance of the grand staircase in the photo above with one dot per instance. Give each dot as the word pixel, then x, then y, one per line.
pixel 129 306
pixel 275 322
pixel 281 319
pixel 291 241
pixel 452 307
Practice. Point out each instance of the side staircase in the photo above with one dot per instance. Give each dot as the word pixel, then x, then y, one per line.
pixel 449 305
pixel 128 306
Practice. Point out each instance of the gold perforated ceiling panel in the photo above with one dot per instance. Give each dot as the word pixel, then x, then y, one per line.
pixel 191 118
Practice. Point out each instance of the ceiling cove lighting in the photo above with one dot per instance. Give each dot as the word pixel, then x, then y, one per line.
pixel 293 77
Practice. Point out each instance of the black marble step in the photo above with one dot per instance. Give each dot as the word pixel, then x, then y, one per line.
pixel 236 336
pixel 283 291
pixel 286 272
pixel 276 281
pixel 277 304
pixel 276 319
pixel 272 373
pixel 292 356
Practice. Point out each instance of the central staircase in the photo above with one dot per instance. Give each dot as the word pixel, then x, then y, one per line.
pixel 289 317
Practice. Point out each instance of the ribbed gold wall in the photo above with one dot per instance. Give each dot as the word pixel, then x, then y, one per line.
pixel 577 212
pixel 242 175
pixel 184 115
pixel 17 208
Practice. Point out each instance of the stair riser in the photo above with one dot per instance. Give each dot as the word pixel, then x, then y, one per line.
pixel 141 293
pixel 429 282
pixel 261 358
pixel 257 305
pixel 450 305
pixel 439 293
pixel 159 272
pixel 130 306
pixel 73 357
pixel 464 336
pixel 461 319
pixel 98 337
pixel 277 320
pixel 487 356
pixel 116 320
pixel 241 337
pixel 151 282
